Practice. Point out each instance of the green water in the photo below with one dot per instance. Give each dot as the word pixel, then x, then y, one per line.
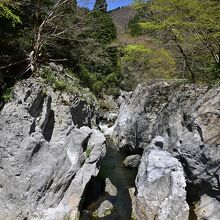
pixel 121 177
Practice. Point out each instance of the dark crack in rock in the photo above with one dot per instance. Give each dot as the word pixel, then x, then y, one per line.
pixel 43 167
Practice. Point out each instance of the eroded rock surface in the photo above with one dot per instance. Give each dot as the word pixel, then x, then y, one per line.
pixel 132 161
pixel 187 119
pixel 105 209
pixel 44 163
pixel 110 188
pixel 207 208
pixel 160 187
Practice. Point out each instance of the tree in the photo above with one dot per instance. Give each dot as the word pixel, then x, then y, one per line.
pixel 46 25
pixel 8 21
pixel 6 12
pixel 53 27
pixel 193 25
pixel 98 66
pixel 101 5
pixel 104 30
pixel 145 62
pixel 59 31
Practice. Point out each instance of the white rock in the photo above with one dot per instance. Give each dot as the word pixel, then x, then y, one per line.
pixel 160 187
pixel 110 188
pixel 105 209
pixel 207 208
pixel 44 171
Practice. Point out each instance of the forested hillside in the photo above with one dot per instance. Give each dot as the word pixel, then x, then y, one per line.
pixel 190 29
pixel 155 39
pixel 121 17
pixel 142 57
pixel 34 33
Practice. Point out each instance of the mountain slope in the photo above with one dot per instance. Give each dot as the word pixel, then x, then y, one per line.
pixel 121 17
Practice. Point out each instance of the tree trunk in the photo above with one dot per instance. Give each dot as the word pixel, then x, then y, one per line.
pixel 185 57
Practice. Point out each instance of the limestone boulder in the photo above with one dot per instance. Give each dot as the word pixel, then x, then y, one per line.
pixel 132 161
pixel 187 117
pixel 160 184
pixel 44 168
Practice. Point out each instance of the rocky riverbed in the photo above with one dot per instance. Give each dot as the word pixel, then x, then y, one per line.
pixel 177 127
pixel 108 194
pixel 53 164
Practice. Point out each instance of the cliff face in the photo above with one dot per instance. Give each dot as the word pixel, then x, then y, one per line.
pixel 50 149
pixel 48 153
pixel 187 121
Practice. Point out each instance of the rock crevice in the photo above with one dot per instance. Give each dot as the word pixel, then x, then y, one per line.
pixel 187 119
pixel 44 166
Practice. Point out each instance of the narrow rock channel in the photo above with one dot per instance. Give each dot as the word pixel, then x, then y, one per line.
pixel 107 195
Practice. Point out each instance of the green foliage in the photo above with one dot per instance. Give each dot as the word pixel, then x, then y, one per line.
pixel 59 81
pixel 144 62
pixel 11 51
pixel 99 84
pixel 133 51
pixel 103 28
pixel 194 27
pixel 88 151
pixel 101 5
pixel 7 95
pixel 84 45
pixel 96 60
pixel 55 82
pixel 48 75
pixel 6 12
pixel 87 51
pixel 60 85
pixel 134 27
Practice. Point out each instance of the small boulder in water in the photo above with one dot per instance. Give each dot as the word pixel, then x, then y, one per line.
pixel 110 188
pixel 105 209
pixel 132 161
pixel 207 208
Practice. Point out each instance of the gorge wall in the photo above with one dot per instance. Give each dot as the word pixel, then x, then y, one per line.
pixel 179 124
pixel 48 152
pixel 50 148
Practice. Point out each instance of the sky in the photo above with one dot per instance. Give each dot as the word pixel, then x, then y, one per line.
pixel 111 3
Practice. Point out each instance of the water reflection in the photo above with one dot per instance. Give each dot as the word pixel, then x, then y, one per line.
pixel 121 177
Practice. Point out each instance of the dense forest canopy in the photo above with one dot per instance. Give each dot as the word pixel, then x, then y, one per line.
pixel 164 39
pixel 34 33
pixel 191 27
